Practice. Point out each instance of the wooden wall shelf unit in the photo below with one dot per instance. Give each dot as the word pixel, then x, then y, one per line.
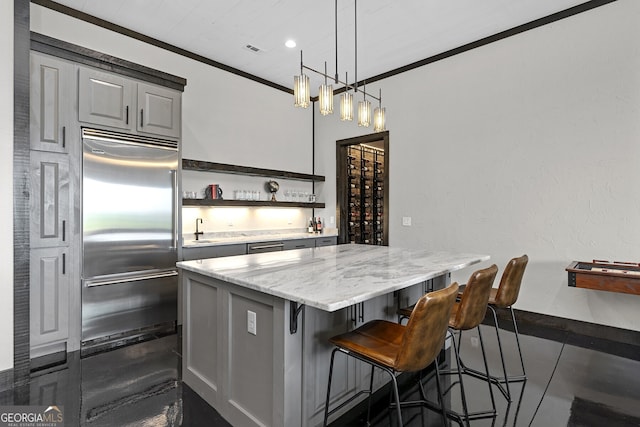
pixel 600 275
pixel 202 166
pixel 249 203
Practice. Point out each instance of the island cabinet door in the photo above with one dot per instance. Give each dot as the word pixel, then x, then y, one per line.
pixel 319 326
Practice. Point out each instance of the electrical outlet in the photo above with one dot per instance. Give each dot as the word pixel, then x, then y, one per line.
pixel 251 322
pixel 475 341
pixel 406 221
pixel 332 220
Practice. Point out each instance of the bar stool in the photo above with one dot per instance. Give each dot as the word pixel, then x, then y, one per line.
pixel 467 314
pixel 504 297
pixel 395 348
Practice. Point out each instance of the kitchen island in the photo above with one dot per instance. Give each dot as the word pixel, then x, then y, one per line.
pixel 256 327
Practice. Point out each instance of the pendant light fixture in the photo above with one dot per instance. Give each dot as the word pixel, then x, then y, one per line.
pixel 326 95
pixel 346 103
pixel 378 116
pixel 364 110
pixel 301 93
pixel 301 90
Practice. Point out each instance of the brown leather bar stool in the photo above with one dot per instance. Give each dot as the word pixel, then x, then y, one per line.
pixel 467 314
pixel 504 297
pixel 395 348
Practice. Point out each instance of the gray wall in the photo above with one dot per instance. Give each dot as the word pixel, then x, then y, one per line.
pixel 527 145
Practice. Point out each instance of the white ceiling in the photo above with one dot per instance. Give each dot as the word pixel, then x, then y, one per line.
pixel 391 34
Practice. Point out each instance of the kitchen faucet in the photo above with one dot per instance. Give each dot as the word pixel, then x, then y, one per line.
pixel 198 233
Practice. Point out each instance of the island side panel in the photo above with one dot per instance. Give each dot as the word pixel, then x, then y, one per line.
pixel 250 379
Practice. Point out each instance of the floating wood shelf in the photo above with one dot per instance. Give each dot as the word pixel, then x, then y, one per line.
pixel 202 166
pixel 249 203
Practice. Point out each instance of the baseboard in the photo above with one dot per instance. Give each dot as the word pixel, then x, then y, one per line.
pixel 608 339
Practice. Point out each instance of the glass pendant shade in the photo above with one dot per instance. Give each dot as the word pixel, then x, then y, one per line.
pixel 364 113
pixel 325 98
pixel 301 91
pixel 346 107
pixel 379 120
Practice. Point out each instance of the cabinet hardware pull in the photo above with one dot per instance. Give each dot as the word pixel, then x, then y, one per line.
pixel 64 136
pixel 64 229
pixel 127 112
pixel 141 117
pixel 277 245
pixel 64 263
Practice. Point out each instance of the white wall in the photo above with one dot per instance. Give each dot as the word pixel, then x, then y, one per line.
pixel 6 177
pixel 528 145
pixel 225 118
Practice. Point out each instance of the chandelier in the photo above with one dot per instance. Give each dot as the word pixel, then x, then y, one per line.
pixel 302 91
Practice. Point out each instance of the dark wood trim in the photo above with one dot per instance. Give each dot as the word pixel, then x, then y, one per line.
pixel 469 46
pixel 154 42
pixel 575 10
pixel 21 188
pixel 341 178
pixel 608 339
pixel 6 380
pixel 82 55
pixel 203 166
pixel 249 203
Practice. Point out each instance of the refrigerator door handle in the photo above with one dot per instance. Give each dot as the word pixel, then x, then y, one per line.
pixel 129 279
pixel 174 184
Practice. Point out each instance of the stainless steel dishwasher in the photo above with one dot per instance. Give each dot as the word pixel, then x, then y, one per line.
pixel 258 247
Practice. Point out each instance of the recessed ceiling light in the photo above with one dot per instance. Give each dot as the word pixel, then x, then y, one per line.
pixel 290 44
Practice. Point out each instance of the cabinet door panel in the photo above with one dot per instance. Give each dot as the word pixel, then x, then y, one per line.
pixel 158 110
pixel 49 96
pixel 49 199
pixel 298 244
pixel 49 296
pixel 104 99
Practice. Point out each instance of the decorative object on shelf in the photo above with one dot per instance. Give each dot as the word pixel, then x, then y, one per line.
pixel 302 95
pixel 272 187
pixel 213 191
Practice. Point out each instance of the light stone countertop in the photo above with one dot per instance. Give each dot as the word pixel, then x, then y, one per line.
pixel 218 239
pixel 333 277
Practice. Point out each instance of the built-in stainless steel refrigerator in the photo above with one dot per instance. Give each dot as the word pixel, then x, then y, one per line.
pixel 129 236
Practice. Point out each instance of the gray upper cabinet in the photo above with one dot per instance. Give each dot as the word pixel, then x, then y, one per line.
pixel 50 94
pixel 105 99
pixel 158 110
pixel 50 204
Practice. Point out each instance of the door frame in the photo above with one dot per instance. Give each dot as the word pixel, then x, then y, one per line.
pixel 341 178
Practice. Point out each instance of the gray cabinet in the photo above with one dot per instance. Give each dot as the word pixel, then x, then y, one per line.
pixel 326 241
pixel 158 110
pixel 202 252
pixel 49 297
pixel 105 98
pixel 51 90
pixel 50 205
pixel 298 244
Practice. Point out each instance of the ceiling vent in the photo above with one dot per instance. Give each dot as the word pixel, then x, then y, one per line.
pixel 254 49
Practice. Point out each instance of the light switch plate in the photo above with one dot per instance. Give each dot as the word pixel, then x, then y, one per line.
pixel 251 322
